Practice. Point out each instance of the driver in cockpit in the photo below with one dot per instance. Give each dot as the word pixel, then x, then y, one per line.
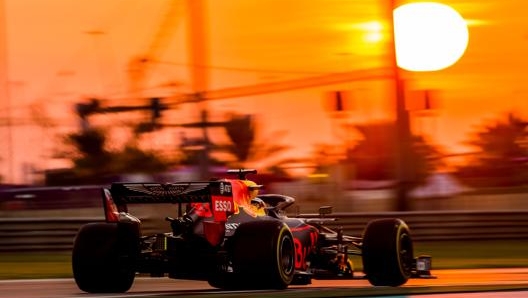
pixel 256 203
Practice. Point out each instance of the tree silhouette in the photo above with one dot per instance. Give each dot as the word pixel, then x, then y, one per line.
pixel 248 146
pixel 501 155
pixel 94 163
pixel 90 158
pixel 241 131
pixel 324 156
pixel 374 156
pixel 132 160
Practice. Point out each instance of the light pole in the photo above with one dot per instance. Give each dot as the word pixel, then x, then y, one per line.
pixel 197 35
pixel 403 131
pixel 419 50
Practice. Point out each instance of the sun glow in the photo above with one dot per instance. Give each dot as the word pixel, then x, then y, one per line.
pixel 429 36
pixel 374 31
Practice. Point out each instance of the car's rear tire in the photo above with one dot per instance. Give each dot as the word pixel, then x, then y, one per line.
pixel 387 252
pixel 103 257
pixel 263 255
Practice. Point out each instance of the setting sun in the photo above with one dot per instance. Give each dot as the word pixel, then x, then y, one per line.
pixel 429 36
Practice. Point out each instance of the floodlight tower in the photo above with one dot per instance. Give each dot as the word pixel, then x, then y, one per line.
pixel 403 129
pixel 432 16
pixel 198 47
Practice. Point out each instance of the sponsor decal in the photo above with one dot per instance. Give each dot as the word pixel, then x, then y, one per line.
pixel 231 226
pixel 145 199
pixel 222 207
pixel 169 189
pixel 170 192
pixel 225 188
pixel 304 245
pixel 202 209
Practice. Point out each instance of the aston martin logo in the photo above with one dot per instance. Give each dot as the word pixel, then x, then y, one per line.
pixel 166 190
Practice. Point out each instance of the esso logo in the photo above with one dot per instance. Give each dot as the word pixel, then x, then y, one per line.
pixel 223 206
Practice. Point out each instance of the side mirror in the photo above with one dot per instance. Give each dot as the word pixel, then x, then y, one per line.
pixel 324 210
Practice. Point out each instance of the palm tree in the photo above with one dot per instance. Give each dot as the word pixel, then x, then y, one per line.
pixel 94 163
pixel 374 156
pixel 502 152
pixel 90 157
pixel 247 146
pixel 324 156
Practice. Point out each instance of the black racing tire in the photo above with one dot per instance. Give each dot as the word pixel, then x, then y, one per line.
pixel 263 255
pixel 103 257
pixel 387 252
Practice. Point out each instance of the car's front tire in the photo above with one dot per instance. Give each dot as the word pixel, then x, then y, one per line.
pixel 103 257
pixel 387 252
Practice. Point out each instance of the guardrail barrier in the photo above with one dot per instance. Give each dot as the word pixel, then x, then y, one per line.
pixel 57 234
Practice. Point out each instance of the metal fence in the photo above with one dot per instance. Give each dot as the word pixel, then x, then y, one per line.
pixel 57 234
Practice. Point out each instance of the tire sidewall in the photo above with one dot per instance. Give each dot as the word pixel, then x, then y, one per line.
pixel 384 240
pixel 103 257
pixel 258 249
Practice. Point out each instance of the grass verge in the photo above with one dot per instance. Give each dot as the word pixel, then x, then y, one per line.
pixel 35 265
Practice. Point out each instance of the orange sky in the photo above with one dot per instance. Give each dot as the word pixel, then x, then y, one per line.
pixel 56 59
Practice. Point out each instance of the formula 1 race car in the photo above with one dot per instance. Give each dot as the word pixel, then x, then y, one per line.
pixel 234 238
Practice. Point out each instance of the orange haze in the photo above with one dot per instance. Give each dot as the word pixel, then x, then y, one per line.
pixel 60 52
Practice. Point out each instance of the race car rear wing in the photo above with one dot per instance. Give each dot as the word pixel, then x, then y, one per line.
pixel 147 193
pixel 217 193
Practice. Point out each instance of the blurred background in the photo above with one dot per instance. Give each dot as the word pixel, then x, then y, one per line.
pixel 307 92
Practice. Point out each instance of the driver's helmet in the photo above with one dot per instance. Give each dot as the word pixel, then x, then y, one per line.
pixel 258 203
pixel 253 189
